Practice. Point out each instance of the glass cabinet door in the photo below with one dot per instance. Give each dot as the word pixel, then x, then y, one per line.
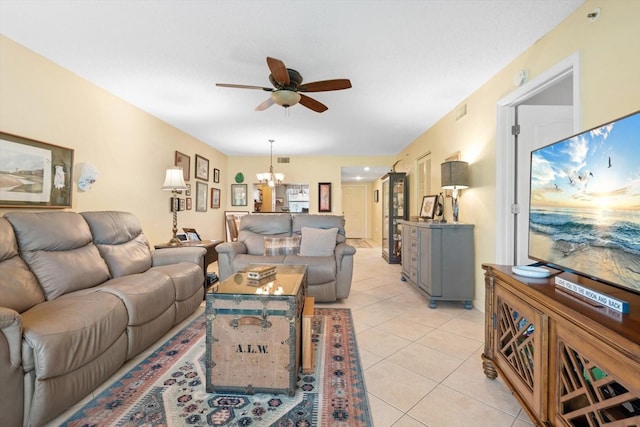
pixel 394 208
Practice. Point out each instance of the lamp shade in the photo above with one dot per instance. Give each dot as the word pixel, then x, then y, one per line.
pixel 174 180
pixel 454 175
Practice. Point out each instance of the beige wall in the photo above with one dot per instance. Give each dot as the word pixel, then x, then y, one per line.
pixel 131 149
pixel 610 88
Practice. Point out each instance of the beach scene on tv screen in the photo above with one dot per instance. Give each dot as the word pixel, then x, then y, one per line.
pixel 585 203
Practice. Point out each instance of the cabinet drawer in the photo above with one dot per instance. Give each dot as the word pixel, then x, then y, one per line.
pixel 413 275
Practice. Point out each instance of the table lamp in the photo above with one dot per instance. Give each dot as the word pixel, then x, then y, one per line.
pixel 454 176
pixel 174 181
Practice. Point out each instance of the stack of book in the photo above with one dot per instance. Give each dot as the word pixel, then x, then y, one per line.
pixel 260 272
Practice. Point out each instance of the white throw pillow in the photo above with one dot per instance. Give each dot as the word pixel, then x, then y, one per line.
pixel 318 241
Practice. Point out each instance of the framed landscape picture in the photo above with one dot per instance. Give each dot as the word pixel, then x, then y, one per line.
pixel 34 174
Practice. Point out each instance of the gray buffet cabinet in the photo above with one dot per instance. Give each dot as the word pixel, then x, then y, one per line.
pixel 438 259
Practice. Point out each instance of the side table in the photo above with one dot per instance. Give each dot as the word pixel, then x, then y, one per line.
pixel 209 258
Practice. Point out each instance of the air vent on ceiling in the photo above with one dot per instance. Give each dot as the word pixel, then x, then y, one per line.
pixel 283 160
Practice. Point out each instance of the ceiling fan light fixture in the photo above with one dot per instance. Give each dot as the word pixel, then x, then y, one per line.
pixel 285 98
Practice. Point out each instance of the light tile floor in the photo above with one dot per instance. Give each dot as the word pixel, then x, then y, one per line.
pixel 422 366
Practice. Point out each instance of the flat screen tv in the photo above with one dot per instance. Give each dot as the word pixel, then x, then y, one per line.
pixel 585 203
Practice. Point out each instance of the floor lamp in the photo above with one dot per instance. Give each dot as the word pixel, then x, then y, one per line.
pixel 174 181
pixel 454 176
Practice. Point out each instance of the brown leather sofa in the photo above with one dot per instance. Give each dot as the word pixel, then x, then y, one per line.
pixel 80 294
pixel 329 259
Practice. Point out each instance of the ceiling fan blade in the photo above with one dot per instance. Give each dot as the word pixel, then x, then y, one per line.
pixel 278 71
pixel 312 104
pixel 266 104
pixel 268 89
pixel 325 85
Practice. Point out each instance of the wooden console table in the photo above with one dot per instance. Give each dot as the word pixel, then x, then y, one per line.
pixel 568 362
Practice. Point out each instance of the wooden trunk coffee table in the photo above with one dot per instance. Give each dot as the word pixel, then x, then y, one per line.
pixel 253 332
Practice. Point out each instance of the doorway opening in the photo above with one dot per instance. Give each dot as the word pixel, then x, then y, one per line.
pixel 552 84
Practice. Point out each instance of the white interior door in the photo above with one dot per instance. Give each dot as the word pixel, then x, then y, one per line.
pixel 355 203
pixel 540 125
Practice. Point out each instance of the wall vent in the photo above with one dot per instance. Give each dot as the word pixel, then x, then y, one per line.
pixel 461 112
pixel 283 159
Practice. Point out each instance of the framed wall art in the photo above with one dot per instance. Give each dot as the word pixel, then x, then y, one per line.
pixel 215 198
pixel 201 196
pixel 238 194
pixel 34 173
pixel 324 197
pixel 202 168
pixel 187 192
pixel 184 161
pixel 188 203
pixel 216 175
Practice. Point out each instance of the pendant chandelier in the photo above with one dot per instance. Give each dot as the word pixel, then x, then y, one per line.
pixel 270 178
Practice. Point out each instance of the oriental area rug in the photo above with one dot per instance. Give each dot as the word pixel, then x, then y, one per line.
pixel 168 388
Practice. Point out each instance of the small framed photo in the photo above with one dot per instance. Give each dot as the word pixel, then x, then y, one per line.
pixel 324 197
pixel 189 203
pixel 215 198
pixel 181 205
pixel 238 194
pixel 201 196
pixel 187 192
pixel 376 196
pixel 174 204
pixel 184 161
pixel 428 207
pixel 192 234
pixel 216 175
pixel 202 168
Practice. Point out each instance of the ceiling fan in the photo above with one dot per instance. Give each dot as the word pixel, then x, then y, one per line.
pixel 287 85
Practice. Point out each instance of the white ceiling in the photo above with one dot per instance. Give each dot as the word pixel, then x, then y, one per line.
pixel 410 62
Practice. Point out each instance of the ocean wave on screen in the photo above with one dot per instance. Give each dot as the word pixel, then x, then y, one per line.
pixel 580 231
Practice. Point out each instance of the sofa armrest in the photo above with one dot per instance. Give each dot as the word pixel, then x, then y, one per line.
pixel 11 372
pixel 11 328
pixel 226 253
pixel 166 256
pixel 344 269
pixel 343 249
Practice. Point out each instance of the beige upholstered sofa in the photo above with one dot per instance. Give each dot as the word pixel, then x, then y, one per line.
pixel 80 294
pixel 317 241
